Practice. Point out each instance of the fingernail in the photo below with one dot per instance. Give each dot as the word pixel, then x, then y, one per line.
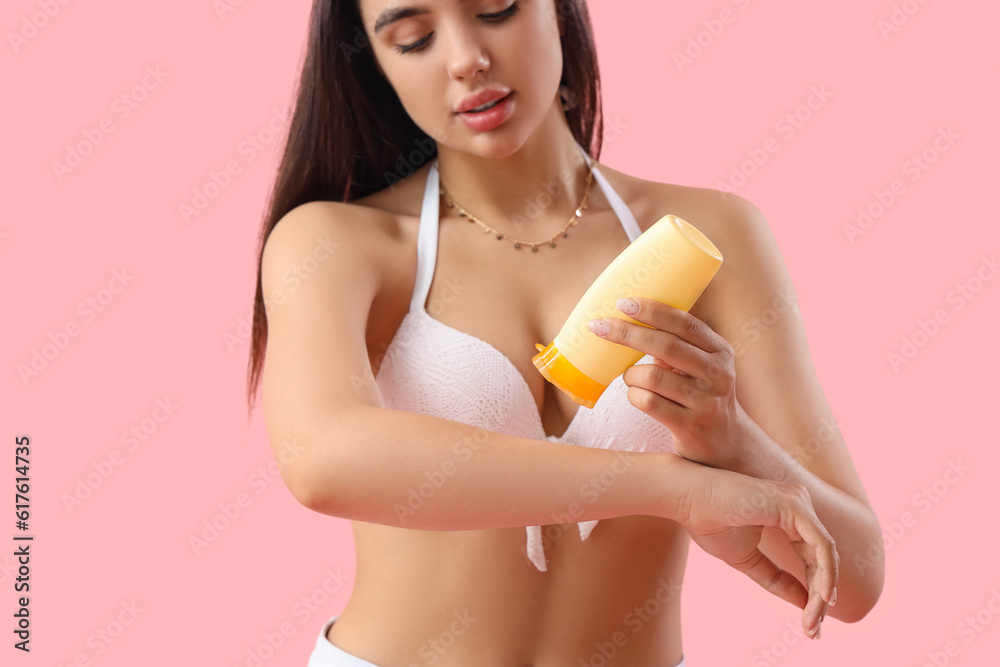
pixel 628 306
pixel 819 630
pixel 833 597
pixel 600 327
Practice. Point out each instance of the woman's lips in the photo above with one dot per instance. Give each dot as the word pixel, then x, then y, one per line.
pixel 483 121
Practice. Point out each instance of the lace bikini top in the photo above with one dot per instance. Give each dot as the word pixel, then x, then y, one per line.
pixel 434 369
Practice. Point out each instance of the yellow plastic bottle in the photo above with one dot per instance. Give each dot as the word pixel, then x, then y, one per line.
pixel 671 262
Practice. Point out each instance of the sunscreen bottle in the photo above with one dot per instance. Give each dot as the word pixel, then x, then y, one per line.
pixel 671 262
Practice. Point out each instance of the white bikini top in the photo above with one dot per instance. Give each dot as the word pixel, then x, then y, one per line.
pixel 434 369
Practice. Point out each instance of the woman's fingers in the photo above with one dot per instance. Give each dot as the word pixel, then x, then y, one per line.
pixel 814 545
pixel 824 550
pixel 773 579
pixel 721 520
pixel 815 608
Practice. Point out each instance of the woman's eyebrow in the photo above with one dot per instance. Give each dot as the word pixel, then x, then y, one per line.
pixel 394 14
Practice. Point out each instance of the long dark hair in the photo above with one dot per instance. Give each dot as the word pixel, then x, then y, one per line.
pixel 350 136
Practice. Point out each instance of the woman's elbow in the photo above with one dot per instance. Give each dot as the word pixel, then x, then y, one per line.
pixel 864 587
pixel 855 604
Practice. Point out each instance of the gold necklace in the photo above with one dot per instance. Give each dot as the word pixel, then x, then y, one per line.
pixel 577 214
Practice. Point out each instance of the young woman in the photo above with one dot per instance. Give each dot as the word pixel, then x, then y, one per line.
pixel 439 210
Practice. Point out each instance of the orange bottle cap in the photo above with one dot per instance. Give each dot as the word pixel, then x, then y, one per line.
pixel 559 371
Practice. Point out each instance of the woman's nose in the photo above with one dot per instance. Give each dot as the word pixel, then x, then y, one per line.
pixel 468 58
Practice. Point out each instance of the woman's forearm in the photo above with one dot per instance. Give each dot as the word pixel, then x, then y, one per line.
pixel 411 470
pixel 852 524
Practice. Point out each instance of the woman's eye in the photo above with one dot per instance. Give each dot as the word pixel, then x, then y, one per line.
pixel 504 15
pixel 413 47
pixel 498 17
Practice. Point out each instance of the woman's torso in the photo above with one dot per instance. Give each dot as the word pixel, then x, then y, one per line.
pixel 472 597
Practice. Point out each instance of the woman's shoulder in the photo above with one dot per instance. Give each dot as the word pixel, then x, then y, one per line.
pixel 711 211
pixel 733 223
pixel 368 235
pixel 368 218
pixel 375 222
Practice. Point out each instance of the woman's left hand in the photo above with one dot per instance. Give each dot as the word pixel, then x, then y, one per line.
pixel 691 387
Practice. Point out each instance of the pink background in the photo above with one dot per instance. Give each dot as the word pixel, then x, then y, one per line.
pixel 175 332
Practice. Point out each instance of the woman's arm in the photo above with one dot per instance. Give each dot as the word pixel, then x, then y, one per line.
pixel 341 453
pixel 411 470
pixel 738 390
pixel 794 436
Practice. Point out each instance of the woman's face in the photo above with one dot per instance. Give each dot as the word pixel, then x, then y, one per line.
pixel 438 52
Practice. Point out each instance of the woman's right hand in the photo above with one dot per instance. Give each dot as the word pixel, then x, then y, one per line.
pixel 725 512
